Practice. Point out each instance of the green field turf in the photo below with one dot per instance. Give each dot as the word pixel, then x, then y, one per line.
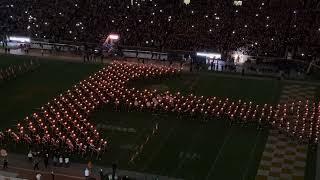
pixel 220 151
pixel 21 96
pixel 9 60
pixel 223 151
pixel 255 89
pixel 181 147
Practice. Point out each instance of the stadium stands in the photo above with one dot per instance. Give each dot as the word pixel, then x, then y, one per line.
pixel 264 28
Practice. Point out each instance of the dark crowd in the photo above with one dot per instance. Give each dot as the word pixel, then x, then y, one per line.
pixel 261 27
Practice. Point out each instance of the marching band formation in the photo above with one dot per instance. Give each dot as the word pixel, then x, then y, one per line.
pixel 14 71
pixel 63 124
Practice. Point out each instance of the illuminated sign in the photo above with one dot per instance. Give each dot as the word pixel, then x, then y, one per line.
pixel 19 39
pixel 237 3
pixel 114 36
pixel 209 55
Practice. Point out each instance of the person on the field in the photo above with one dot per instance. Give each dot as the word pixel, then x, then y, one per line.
pixel 60 161
pixel 46 160
pixel 101 58
pixel 38 176
pixel 5 163
pixel 36 164
pixel 30 156
pixel 67 161
pixel 86 173
pixel 55 160
pixel 101 174
pixel 52 175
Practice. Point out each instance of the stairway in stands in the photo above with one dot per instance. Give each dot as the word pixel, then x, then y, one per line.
pixel 284 157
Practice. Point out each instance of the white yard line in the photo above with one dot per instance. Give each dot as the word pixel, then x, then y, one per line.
pixel 152 156
pixel 226 139
pixel 194 137
pixel 251 154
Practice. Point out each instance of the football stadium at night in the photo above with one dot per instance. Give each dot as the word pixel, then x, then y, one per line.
pixel 160 89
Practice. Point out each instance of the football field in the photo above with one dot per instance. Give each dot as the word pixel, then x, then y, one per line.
pixel 26 93
pixel 185 147
pixel 163 144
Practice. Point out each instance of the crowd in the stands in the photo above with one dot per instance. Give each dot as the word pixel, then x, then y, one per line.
pixel 268 28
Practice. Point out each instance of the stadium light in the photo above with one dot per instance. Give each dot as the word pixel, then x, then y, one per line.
pixel 114 36
pixel 19 39
pixel 239 57
pixel 209 55
pixel 237 3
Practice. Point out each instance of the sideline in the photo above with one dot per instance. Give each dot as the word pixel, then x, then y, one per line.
pixel 46 172
pixel 79 59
